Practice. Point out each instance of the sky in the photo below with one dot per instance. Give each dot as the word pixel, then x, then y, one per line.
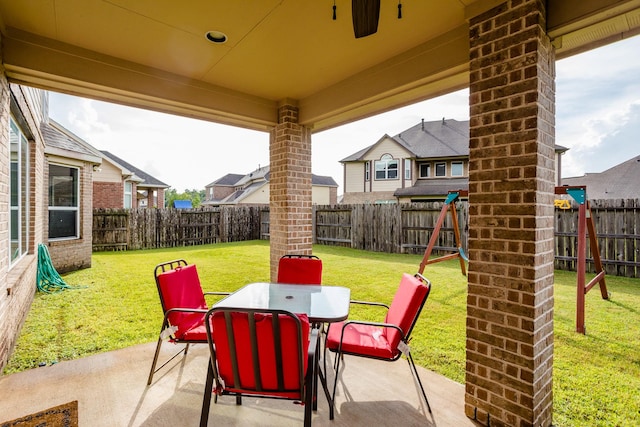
pixel 597 118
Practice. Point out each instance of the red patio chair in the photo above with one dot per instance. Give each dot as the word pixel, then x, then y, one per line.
pixel 262 353
pixel 383 341
pixel 183 305
pixel 300 269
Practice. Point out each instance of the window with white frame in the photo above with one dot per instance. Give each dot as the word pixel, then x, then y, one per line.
pixel 457 169
pixel 367 168
pixel 407 169
pixel 64 206
pixel 425 170
pixel 386 168
pixel 128 187
pixel 441 169
pixel 18 192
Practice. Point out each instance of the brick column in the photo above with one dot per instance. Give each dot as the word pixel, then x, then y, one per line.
pixel 160 203
pixel 290 225
pixel 511 184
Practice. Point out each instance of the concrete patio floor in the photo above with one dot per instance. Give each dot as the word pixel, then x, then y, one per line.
pixel 111 391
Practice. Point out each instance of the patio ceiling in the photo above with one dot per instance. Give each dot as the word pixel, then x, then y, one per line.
pixel 154 54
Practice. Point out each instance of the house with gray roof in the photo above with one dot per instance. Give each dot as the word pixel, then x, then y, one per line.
pixel 69 164
pixel 119 184
pixel 619 182
pixel 422 163
pixel 253 189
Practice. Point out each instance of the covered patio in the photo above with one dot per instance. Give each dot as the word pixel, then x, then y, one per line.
pixel 289 68
pixel 111 391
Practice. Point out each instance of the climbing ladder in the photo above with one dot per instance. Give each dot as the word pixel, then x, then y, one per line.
pixel 585 223
pixel 450 202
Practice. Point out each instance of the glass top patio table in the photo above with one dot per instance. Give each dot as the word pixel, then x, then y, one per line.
pixel 321 303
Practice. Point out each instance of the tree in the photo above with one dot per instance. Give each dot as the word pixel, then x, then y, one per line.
pixel 196 197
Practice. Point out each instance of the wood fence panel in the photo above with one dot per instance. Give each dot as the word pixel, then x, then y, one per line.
pixel 333 225
pixel 110 230
pixel 381 228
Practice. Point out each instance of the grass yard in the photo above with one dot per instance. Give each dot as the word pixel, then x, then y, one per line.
pixel 596 377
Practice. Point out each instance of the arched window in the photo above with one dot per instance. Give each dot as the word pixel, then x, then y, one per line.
pixel 386 167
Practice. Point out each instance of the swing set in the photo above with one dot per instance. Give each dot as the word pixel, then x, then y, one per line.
pixel 585 225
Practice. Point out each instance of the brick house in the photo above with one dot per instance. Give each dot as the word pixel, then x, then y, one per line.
pixel 253 188
pixel 504 51
pixel 421 163
pixel 119 184
pixel 69 166
pixel 49 200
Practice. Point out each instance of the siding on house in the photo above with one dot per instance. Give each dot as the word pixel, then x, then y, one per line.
pixel 441 141
pixel 254 188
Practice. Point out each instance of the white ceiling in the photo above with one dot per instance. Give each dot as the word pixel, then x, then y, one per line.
pixel 154 54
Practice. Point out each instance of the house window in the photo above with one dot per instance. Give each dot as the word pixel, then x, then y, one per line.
pixel 441 169
pixel 456 169
pixel 425 170
pixel 407 169
pixel 18 193
pixel 63 202
pixel 367 168
pixel 127 194
pixel 386 167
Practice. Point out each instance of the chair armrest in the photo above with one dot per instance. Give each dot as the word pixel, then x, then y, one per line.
pixel 364 322
pixel 185 310
pixel 216 293
pixel 369 303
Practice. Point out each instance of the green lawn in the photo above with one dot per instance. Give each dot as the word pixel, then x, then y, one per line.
pixel 596 377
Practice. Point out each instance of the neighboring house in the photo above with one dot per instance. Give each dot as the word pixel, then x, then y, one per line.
pixel 46 177
pixel 253 189
pixel 619 182
pixel 69 166
pixel 118 184
pixel 422 163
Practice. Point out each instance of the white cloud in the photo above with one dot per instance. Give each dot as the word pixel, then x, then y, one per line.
pixel 598 94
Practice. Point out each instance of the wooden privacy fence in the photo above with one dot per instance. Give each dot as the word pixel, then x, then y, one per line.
pixel 129 229
pixel 617 224
pixel 380 228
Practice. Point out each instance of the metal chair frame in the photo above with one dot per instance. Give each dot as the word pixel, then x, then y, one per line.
pixel 406 337
pixel 159 269
pixel 306 393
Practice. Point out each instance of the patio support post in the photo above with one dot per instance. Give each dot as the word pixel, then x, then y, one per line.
pixel 511 185
pixel 290 226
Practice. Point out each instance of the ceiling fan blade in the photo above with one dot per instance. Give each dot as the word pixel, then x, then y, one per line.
pixel 365 17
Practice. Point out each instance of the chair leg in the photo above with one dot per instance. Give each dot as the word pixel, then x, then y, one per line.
pixel 206 401
pixel 335 381
pixel 414 371
pixel 155 361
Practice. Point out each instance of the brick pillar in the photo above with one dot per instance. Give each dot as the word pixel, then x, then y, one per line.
pixel 511 183
pixel 290 225
pixel 160 203
pixel 150 199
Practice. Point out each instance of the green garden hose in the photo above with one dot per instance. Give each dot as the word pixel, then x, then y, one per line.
pixel 48 279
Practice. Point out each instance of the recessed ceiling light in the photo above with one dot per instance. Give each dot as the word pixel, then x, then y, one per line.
pixel 216 36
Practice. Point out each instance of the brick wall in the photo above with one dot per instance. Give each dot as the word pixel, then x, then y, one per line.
pixel 108 195
pixel 290 187
pixel 160 201
pixel 75 254
pixel 510 298
pixel 17 283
